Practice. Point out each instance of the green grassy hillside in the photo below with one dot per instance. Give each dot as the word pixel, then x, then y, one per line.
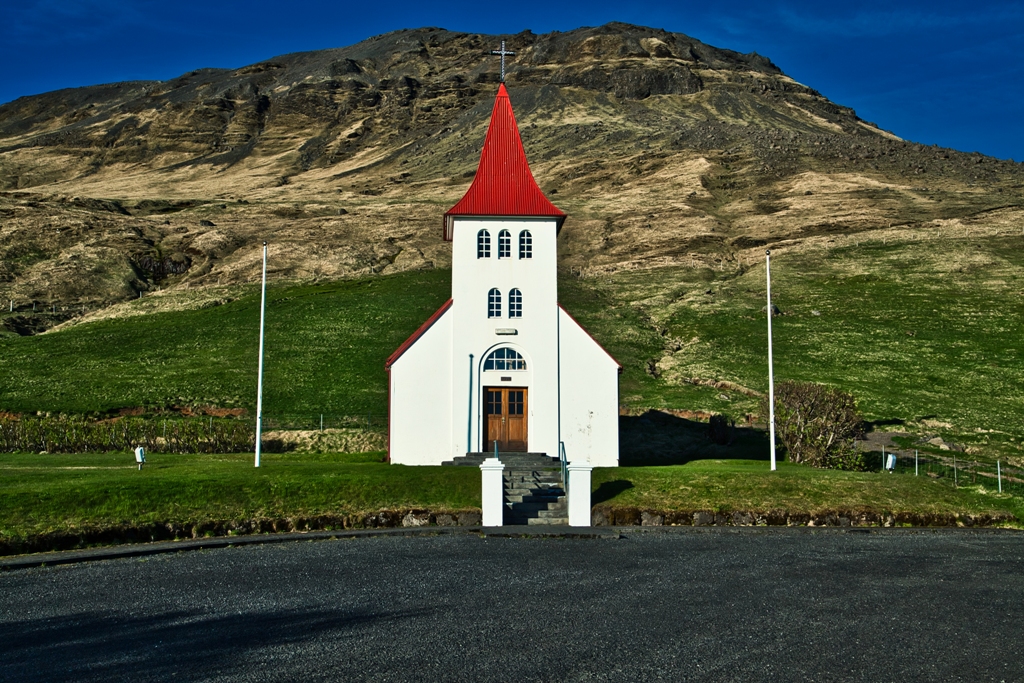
pixel 926 335
pixel 325 352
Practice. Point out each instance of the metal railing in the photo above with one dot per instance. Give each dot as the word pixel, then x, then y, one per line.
pixel 564 463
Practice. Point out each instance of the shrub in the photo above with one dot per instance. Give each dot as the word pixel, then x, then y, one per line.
pixel 817 425
pixel 76 434
pixel 719 429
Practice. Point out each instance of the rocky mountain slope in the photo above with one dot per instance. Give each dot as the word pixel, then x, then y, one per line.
pixel 662 149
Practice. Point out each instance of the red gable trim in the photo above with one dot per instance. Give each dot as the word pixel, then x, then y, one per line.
pixel 503 184
pixel 416 335
pixel 590 335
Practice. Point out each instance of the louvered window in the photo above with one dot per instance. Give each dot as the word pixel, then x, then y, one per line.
pixel 494 303
pixel 483 244
pixel 504 244
pixel 525 244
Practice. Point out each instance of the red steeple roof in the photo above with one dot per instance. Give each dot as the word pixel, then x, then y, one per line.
pixel 503 185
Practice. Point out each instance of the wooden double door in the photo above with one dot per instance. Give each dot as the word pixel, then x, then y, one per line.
pixel 505 411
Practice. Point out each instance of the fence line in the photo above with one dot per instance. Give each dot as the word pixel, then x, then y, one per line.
pixel 959 471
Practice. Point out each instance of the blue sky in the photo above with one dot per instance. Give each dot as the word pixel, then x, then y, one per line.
pixel 946 73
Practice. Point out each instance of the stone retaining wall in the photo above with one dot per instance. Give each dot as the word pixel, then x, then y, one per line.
pixel 170 531
pixel 629 516
pixel 416 517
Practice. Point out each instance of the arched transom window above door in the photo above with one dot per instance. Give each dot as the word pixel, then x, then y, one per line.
pixel 504 359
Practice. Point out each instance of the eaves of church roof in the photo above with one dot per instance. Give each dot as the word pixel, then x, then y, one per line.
pixel 586 332
pixel 503 184
pixel 417 334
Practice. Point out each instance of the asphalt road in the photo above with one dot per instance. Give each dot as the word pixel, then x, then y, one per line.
pixel 714 605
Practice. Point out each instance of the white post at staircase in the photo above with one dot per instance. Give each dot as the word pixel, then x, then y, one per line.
pixel 492 492
pixel 579 493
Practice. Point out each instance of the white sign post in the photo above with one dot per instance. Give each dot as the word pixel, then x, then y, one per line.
pixel 259 380
pixel 771 370
pixel 140 456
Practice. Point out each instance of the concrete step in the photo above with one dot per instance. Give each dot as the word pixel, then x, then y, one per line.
pixel 524 521
pixel 517 499
pixel 532 476
pixel 532 483
pixel 527 508
pixel 539 493
pixel 564 521
pixel 511 461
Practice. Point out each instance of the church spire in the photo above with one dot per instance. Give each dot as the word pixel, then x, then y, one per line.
pixel 504 184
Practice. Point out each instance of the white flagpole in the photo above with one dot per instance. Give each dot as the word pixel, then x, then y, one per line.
pixel 259 381
pixel 771 372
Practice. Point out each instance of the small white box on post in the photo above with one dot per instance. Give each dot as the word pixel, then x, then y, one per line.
pixel 579 493
pixel 492 492
pixel 140 456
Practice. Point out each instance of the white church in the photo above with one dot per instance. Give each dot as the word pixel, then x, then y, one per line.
pixel 501 363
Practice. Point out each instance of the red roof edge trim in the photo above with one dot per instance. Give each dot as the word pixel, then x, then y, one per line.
pixel 416 335
pixel 586 332
pixel 448 227
pixel 387 457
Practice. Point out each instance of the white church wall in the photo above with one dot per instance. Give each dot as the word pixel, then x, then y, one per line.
pixel 589 397
pixel 474 333
pixel 421 398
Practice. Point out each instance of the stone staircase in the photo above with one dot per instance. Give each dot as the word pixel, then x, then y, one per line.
pixel 533 486
pixel 535 497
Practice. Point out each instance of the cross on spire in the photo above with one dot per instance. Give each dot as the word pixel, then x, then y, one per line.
pixel 502 52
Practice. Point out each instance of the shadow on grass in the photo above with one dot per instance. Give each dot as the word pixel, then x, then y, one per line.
pixel 660 438
pixel 609 490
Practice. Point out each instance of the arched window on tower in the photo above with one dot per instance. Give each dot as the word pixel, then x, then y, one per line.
pixel 483 244
pixel 504 359
pixel 494 303
pixel 525 244
pixel 504 244
pixel 515 304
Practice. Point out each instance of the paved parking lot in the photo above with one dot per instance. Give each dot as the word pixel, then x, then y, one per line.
pixel 713 604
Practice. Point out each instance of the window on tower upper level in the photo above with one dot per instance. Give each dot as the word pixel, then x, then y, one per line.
pixel 515 304
pixel 483 244
pixel 504 244
pixel 504 359
pixel 525 244
pixel 494 303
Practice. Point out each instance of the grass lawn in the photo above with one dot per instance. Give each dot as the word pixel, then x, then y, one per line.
pixel 56 493
pixel 42 494
pixel 748 485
